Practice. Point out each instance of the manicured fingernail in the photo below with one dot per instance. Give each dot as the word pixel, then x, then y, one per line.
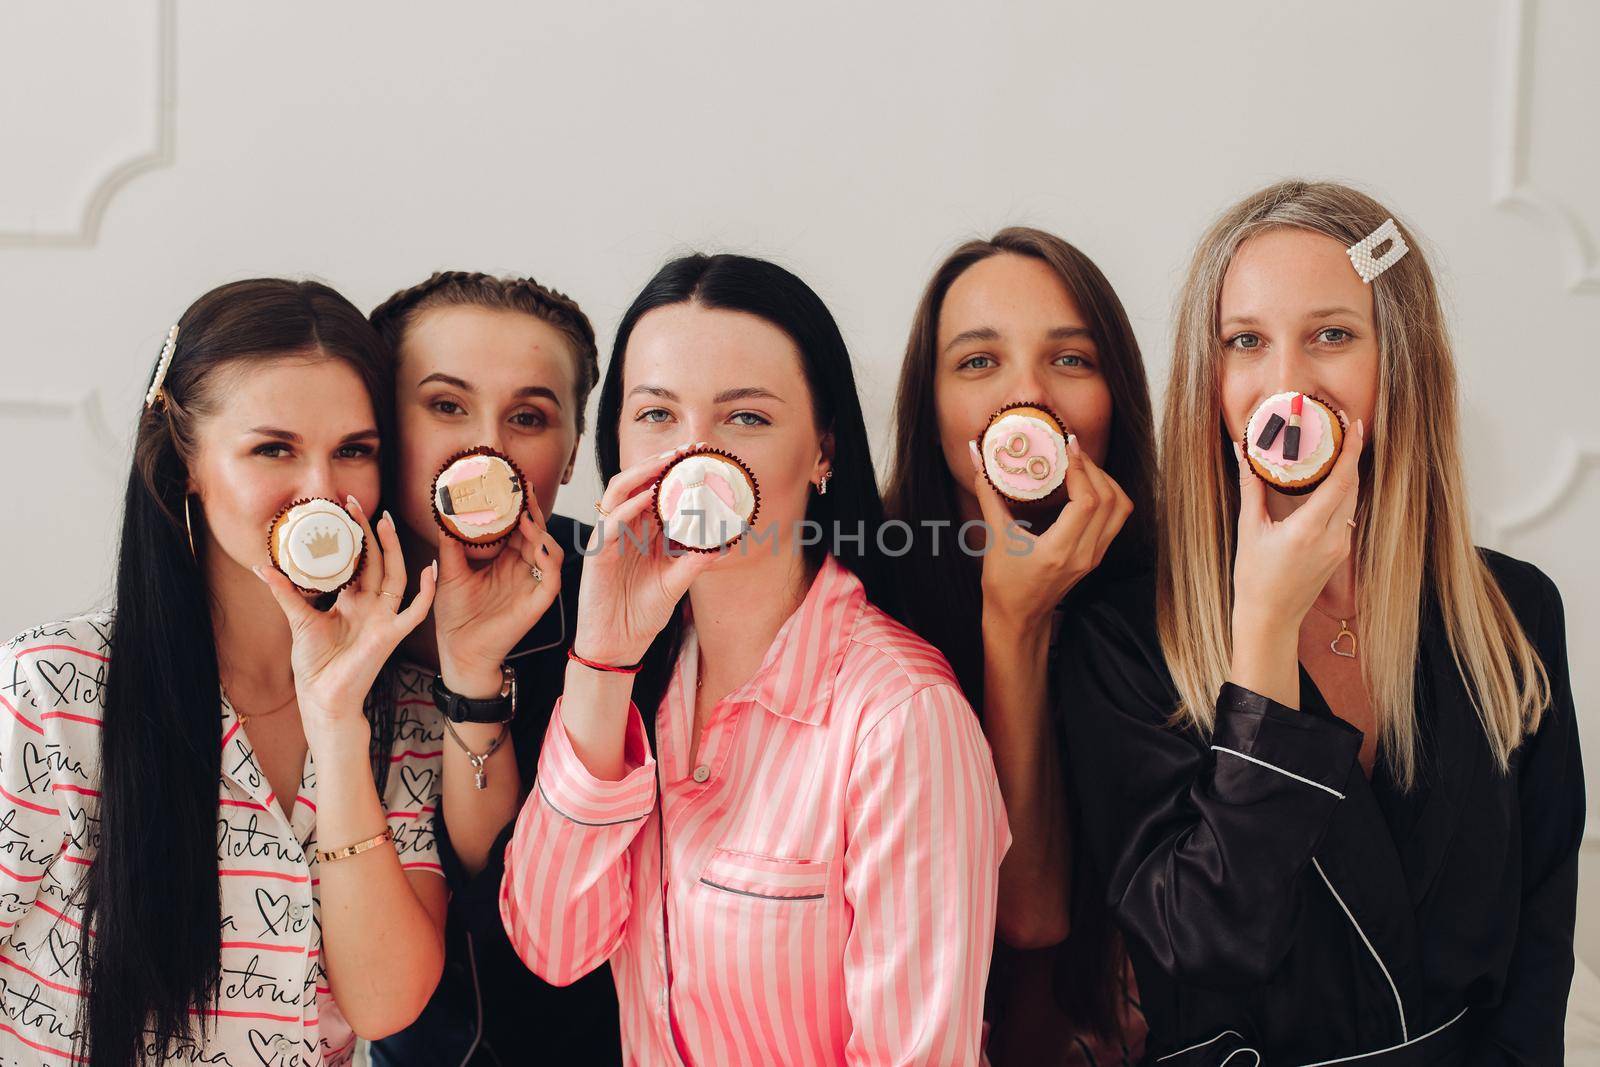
pixel 977 462
pixel 259 572
pixel 1237 455
pixel 1361 428
pixel 352 503
pixel 435 566
pixel 388 518
pixel 1073 446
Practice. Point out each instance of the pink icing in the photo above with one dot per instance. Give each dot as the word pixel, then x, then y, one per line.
pixel 669 498
pixel 1311 417
pixel 1041 443
pixel 460 471
pixel 476 518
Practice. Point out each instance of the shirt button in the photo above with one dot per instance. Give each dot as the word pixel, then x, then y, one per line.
pixel 702 772
pixel 297 912
pixel 282 1044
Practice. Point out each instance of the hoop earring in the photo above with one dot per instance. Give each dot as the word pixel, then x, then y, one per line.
pixel 188 527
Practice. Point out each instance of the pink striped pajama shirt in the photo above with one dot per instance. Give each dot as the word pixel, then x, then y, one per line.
pixel 820 888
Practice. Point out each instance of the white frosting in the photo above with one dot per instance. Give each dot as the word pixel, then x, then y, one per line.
pixel 699 517
pixel 318 545
pixel 1023 486
pixel 1308 464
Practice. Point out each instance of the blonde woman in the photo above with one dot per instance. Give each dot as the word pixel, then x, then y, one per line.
pixel 1330 758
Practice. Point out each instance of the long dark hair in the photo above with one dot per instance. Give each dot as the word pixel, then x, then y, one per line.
pixel 766 290
pixel 942 595
pixel 152 891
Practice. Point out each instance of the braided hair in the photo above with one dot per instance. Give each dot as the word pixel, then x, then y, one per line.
pixel 459 288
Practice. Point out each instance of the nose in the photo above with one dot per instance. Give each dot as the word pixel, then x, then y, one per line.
pixel 319 481
pixel 1294 371
pixel 1026 385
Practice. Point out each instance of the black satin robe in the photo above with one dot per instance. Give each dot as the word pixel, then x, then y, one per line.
pixel 1276 903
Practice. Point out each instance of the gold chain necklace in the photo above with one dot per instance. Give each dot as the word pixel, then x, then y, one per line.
pixel 1344 632
pixel 243 718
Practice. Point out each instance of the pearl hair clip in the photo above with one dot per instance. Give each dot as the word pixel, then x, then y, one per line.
pixel 161 367
pixel 1361 252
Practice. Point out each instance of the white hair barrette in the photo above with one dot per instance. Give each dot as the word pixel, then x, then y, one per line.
pixel 1361 252
pixel 161 367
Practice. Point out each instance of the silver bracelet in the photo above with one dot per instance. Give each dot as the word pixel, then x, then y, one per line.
pixel 480 778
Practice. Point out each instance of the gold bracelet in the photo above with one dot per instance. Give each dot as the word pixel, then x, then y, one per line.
pixel 356 849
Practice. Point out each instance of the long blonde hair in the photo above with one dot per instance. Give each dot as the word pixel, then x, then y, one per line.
pixel 1413 535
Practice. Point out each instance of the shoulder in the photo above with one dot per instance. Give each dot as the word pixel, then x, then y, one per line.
pixel 887 665
pixel 87 635
pixel 1530 592
pixel 53 676
pixel 1120 613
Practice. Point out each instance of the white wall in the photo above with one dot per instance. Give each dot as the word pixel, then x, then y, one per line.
pixel 150 149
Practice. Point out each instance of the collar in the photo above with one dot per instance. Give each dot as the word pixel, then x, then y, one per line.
pixel 795 679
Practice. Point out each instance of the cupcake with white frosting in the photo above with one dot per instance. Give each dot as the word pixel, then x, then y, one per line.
pixel 706 499
pixel 1024 452
pixel 317 545
pixel 1292 441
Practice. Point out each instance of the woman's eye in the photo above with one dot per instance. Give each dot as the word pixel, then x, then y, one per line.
pixel 446 407
pixel 749 418
pixel 1334 335
pixel 1071 359
pixel 272 451
pixel 649 415
pixel 978 362
pixel 1244 341
pixel 528 420
pixel 356 452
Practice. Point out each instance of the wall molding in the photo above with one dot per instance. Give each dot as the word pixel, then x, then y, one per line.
pixel 161 154
pixel 1571 461
pixel 1512 188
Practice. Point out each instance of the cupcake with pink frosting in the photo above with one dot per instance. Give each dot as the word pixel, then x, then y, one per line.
pixel 1024 452
pixel 478 496
pixel 1292 441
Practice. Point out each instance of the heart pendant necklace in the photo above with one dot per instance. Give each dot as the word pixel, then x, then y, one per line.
pixel 1339 646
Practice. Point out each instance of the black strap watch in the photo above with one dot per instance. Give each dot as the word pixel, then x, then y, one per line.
pixel 502 707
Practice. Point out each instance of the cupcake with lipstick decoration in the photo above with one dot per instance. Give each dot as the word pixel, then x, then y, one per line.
pixel 317 545
pixel 1292 441
pixel 706 499
pixel 1024 452
pixel 478 496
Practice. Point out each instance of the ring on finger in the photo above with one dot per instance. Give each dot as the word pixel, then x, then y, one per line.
pixel 396 596
pixel 602 512
pixel 533 569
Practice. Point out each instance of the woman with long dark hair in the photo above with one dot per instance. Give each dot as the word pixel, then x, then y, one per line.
pixel 216 840
pixel 790 855
pixel 1025 317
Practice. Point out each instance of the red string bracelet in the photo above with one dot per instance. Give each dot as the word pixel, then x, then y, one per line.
pixel 632 668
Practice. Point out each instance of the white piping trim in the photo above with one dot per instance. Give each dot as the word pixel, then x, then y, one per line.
pixel 1392 1048
pixel 1280 770
pixel 1229 1057
pixel 1399 1005
pixel 1202 1044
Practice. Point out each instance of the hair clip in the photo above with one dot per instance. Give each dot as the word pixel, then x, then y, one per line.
pixel 1361 252
pixel 161 367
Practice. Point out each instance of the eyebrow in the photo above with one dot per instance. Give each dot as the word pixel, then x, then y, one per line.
pixel 727 396
pixel 277 434
pixel 466 387
pixel 989 333
pixel 1319 313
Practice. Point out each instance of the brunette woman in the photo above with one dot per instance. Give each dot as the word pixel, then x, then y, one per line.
pixel 217 846
pixel 507 363
pixel 1026 317
pixel 785 836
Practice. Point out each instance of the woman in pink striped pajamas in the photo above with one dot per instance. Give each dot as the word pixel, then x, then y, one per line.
pixel 792 855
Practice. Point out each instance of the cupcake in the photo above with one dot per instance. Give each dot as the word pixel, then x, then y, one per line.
pixel 1024 452
pixel 478 496
pixel 706 499
pixel 1293 441
pixel 317 545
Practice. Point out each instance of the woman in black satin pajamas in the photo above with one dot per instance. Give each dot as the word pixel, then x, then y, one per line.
pixel 1327 762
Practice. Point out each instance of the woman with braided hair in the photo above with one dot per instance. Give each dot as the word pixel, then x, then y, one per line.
pixel 505 363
